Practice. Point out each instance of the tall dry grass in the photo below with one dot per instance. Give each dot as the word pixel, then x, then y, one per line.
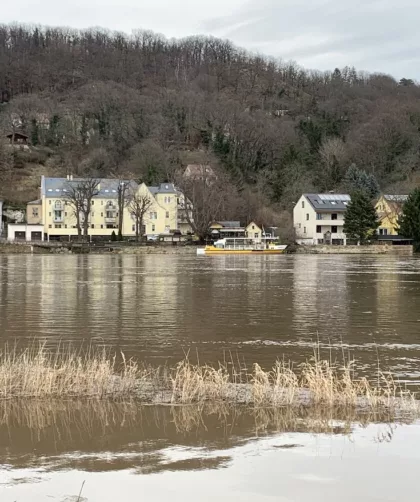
pixel 38 372
pixel 41 373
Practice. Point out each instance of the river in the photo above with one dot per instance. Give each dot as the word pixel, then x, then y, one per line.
pixel 158 308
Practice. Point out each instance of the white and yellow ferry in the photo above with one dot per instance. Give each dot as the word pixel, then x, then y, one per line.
pixel 242 246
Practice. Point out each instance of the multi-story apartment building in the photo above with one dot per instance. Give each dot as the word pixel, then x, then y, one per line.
pixel 55 211
pixel 319 219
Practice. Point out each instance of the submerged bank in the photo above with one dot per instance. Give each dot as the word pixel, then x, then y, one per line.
pixel 39 373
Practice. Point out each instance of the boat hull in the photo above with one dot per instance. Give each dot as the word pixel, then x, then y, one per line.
pixel 221 252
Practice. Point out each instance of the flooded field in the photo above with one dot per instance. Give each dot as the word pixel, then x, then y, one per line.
pixel 249 309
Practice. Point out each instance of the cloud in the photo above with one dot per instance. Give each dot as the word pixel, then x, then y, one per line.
pixel 373 35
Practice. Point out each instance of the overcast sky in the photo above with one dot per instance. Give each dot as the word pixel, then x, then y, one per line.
pixel 373 35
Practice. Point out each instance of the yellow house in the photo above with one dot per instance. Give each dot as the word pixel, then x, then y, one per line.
pixel 389 209
pixel 34 212
pixel 253 231
pixel 56 212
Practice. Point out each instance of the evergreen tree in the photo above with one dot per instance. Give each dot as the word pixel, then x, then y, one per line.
pixel 34 132
pixel 409 222
pixel 360 219
pixel 359 180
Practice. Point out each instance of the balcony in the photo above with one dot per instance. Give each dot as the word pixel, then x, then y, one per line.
pixel 111 219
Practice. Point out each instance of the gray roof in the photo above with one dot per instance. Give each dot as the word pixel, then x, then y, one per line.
pixel 230 224
pixel 164 188
pixel 396 198
pixel 328 201
pixel 57 187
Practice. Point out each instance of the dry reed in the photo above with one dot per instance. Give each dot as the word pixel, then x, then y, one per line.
pixel 65 373
pixel 37 372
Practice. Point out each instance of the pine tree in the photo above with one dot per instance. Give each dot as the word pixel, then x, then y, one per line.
pixel 359 180
pixel 409 222
pixel 360 219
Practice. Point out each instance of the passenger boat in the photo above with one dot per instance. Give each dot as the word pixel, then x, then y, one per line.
pixel 242 246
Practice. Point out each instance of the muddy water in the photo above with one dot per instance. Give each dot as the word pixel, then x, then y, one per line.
pixel 157 308
pixel 125 452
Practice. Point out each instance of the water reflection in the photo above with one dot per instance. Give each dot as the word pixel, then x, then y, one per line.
pixel 158 307
pixel 103 435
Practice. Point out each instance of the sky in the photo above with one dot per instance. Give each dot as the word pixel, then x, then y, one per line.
pixel 372 35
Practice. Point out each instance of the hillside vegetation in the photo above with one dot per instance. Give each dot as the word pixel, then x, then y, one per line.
pixel 106 104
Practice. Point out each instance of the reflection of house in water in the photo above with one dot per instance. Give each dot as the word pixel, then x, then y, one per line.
pixel 320 297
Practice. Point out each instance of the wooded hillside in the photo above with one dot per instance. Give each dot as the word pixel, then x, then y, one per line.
pixel 104 104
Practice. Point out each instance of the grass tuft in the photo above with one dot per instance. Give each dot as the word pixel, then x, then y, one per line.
pixel 41 373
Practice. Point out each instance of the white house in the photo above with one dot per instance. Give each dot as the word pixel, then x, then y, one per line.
pixel 25 232
pixel 319 219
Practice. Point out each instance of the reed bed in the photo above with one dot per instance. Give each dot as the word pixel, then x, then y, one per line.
pixel 38 372
pixel 41 373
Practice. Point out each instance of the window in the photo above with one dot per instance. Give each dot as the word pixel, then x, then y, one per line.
pixel 35 212
pixel 102 202
pixel 49 202
pixel 334 230
pixel 102 226
pixel 167 229
pixel 304 230
pixel 307 216
pixel 253 227
pixel 153 228
pixel 303 203
pixel 93 202
pixel 383 231
pixel 320 241
pixel 318 229
pixel 333 203
pixel 318 216
pixel 57 226
pixel 102 215
pixel 49 214
pixel 256 235
pixel 300 225
pixel 65 226
pixel 166 200
pixel 49 226
pixel 334 216
pixel 65 214
pixel 93 226
pixel 169 200
pixel 167 214
pixel 92 213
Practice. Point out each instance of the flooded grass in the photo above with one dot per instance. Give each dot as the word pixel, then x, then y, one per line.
pixel 40 373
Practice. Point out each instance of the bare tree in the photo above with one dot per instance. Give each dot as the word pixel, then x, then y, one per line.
pixel 123 197
pixel 205 199
pixel 79 195
pixel 138 205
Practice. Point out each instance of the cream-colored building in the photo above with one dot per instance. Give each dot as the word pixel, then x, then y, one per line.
pixel 319 219
pixel 56 212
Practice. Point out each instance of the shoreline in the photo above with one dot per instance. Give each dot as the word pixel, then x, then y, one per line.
pixel 112 248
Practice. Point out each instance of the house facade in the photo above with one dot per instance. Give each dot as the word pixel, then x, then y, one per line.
pixel 389 209
pixel 55 211
pixel 319 219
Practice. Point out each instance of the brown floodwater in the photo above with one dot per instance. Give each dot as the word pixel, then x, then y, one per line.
pixel 255 309
pixel 158 308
